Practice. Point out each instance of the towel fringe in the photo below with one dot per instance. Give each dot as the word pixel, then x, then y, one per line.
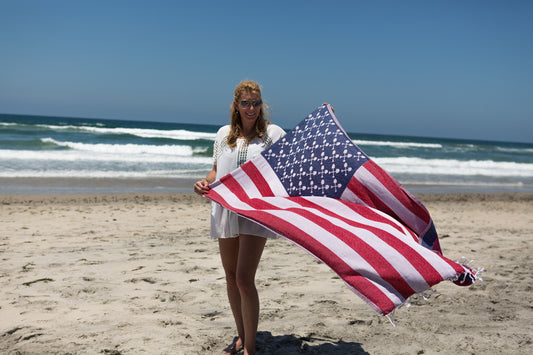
pixel 390 317
pixel 424 293
pixel 467 278
pixel 407 302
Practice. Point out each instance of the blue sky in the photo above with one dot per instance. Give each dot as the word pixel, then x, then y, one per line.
pixel 451 68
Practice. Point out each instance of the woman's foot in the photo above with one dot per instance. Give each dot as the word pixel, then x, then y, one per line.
pixel 234 348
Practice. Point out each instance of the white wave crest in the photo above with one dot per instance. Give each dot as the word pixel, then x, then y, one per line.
pixel 397 144
pixel 180 134
pixel 99 156
pixel 173 150
pixel 116 174
pixel 453 167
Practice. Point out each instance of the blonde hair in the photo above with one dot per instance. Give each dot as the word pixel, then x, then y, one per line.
pixel 235 118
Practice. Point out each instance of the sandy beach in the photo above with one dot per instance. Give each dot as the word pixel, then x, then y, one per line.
pixel 138 274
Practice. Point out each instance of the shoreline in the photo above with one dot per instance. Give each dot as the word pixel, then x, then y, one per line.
pixel 59 186
pixel 43 186
pixel 92 198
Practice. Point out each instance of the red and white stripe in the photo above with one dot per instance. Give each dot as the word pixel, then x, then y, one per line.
pixel 378 257
pixel 372 186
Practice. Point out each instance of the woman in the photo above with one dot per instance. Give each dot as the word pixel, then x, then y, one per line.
pixel 241 242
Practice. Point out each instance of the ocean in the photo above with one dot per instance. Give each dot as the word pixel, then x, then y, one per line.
pixel 77 153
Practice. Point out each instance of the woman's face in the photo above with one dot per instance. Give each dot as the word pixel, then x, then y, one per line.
pixel 253 102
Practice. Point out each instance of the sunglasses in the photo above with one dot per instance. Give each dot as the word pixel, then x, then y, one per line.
pixel 248 103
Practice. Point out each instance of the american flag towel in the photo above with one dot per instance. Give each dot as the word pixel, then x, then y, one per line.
pixel 316 188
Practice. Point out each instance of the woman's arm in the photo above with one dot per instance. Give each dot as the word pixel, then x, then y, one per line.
pixel 202 186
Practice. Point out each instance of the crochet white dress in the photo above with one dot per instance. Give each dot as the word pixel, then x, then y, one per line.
pixel 224 223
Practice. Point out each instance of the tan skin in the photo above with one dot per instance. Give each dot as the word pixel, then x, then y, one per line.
pixel 240 256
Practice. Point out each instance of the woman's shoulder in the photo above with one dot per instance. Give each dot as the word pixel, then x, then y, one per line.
pixel 223 129
pixel 273 129
pixel 222 132
pixel 274 132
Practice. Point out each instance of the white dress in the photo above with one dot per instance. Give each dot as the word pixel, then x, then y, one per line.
pixel 224 223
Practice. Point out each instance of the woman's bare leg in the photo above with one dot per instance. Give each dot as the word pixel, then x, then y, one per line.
pixel 250 251
pixel 229 253
pixel 240 259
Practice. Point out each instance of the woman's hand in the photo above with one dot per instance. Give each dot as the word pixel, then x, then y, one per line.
pixel 332 109
pixel 201 187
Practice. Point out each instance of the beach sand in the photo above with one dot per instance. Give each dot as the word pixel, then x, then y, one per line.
pixel 138 274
